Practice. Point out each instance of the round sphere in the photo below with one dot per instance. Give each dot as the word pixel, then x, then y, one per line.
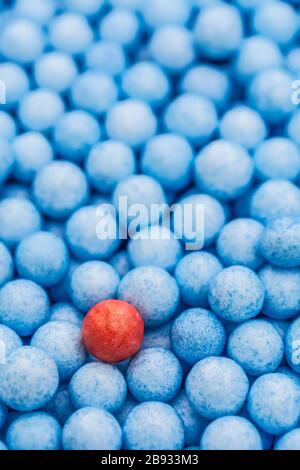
pixel 224 170
pixel 34 431
pixel 276 20
pixel 16 82
pixel 270 94
pixel 256 346
pixel 6 160
pixel 40 11
pixel 60 405
pixel 161 12
pixel 191 116
pixel 158 337
pixel 282 292
pixel 207 229
pixel 275 199
pixel 216 386
pixel 289 441
pixel 139 190
pixel 244 126
pixel 9 341
pixel 8 127
pixel 84 233
pixel 70 32
pixel 88 8
pixel 280 242
pixel 107 57
pixel 66 312
pixel 31 152
pixel 61 341
pixel 93 282
pixel 236 294
pixel 40 110
pixel 153 426
pixel 113 331
pixel 146 81
pixel 154 374
pixel 131 121
pixel 172 47
pixel 196 334
pixel 209 82
pixel 193 274
pixel 24 306
pixel 277 158
pixel 168 158
pixel 273 403
pixel 238 243
pixel 257 53
pixel 108 163
pixel 60 188
pixel 218 31
pixel 75 134
pixel 120 25
pixel 92 428
pixel 21 40
pixel 98 384
pixel 155 246
pixel 43 258
pixel 94 92
pixel 6 265
pixel 231 433
pixel 28 379
pixel 153 291
pixel 55 70
pixel 19 218
pixel 292 343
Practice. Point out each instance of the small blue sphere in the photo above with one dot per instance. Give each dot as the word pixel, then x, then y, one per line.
pixel 56 71
pixel 16 82
pixel 6 265
pixel 70 32
pixel 40 110
pixel 277 157
pixel 66 312
pixel 107 57
pixel 7 160
pixel 120 25
pixel 289 441
pixel 292 343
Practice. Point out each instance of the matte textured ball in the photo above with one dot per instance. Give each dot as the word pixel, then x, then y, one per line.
pixel 154 374
pixel 292 343
pixel 289 441
pixel 6 265
pixel 277 158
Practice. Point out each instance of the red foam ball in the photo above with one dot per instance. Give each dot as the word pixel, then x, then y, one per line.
pixel 113 330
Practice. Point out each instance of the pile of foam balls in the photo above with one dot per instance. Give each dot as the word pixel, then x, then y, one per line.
pixel 140 343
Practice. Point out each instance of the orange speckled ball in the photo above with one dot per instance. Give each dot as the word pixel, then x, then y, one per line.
pixel 113 331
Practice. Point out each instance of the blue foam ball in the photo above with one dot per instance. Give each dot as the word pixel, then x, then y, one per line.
pixel 59 188
pixel 43 258
pixel 6 160
pixel 289 441
pixel 161 12
pixel 88 8
pixel 28 380
pixel 231 433
pixel 120 25
pixel 92 428
pixel 193 275
pixel 274 199
pixel 21 40
pixel 107 57
pixel 280 242
pixel 31 152
pixel 108 163
pixel 6 265
pixel 153 426
pixel 292 342
pixel 8 126
pixel 153 291
pixel 238 243
pixel 216 386
pixel 60 405
pixel 156 246
pixel 195 334
pixel 98 384
pixel 16 82
pixel 273 403
pixel 256 346
pixel 192 116
pixel 94 92
pixel 61 341
pixel 244 126
pixel 226 24
pixel 154 374
pixel 55 70
pixel 168 158
pixel 277 158
pixel 84 234
pixel 24 306
pixel 70 32
pixel 40 109
pixel 224 170
pixel 282 291
pixel 93 282
pixel 34 431
pixel 158 337
pixel 236 294
pixel 40 11
pixel 9 341
pixel 125 409
pixel 131 121
pixel 66 312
